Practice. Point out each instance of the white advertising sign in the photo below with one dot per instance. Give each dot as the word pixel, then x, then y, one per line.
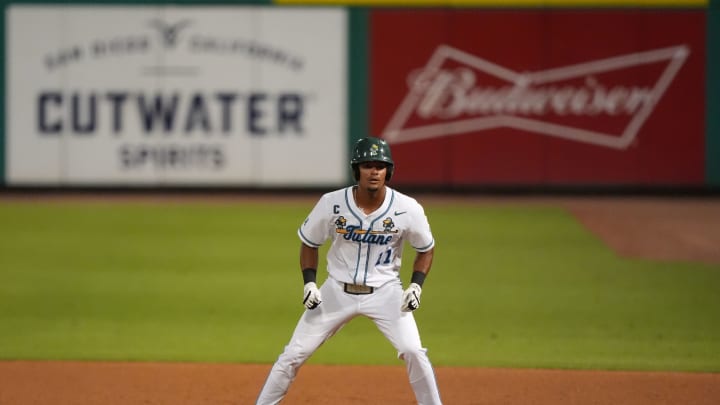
pixel 131 95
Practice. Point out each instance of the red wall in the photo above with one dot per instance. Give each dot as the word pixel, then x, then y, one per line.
pixel 611 97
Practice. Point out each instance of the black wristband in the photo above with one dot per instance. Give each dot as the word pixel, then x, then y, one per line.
pixel 309 275
pixel 418 277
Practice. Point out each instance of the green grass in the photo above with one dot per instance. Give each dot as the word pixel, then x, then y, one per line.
pixel 510 287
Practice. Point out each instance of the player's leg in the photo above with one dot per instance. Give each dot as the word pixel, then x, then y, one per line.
pixel 401 330
pixel 314 327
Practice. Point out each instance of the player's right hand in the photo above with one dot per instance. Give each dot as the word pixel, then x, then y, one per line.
pixel 311 296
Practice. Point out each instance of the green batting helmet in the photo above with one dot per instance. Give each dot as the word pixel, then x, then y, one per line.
pixel 372 150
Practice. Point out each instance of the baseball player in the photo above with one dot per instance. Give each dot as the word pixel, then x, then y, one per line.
pixel 367 225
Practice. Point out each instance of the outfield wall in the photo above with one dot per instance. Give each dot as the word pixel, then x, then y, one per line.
pixel 540 94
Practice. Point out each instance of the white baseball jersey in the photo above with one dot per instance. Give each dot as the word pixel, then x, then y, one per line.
pixel 366 249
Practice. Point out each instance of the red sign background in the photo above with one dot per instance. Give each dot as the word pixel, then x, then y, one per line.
pixel 668 148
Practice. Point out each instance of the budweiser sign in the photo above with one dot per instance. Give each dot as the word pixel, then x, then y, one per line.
pixel 603 102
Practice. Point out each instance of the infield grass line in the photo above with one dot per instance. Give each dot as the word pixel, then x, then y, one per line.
pixel 510 287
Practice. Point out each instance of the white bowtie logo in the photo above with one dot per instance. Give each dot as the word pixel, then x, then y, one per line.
pixel 457 92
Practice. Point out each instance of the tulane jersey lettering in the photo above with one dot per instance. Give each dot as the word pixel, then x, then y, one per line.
pixel 357 234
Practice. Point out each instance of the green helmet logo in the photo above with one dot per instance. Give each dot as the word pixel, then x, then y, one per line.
pixel 372 150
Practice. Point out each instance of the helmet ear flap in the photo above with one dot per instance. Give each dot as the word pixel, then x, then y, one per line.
pixel 356 172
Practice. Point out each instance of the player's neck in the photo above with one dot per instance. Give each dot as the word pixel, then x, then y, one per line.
pixel 369 200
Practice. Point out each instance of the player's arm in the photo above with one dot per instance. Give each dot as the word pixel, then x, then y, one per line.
pixel 421 266
pixel 309 258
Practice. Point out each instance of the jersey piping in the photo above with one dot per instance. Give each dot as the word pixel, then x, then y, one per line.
pixel 306 240
pixel 348 191
pixel 426 247
pixel 367 255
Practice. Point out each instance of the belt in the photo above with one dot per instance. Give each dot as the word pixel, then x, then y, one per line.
pixel 357 289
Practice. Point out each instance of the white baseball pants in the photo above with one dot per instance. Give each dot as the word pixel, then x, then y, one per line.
pixel 338 308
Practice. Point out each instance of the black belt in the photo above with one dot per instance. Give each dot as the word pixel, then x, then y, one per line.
pixel 357 289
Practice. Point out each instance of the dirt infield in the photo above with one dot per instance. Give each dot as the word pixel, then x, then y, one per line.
pixel 659 229
pixel 72 383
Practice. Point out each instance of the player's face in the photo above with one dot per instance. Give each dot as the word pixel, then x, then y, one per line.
pixel 372 175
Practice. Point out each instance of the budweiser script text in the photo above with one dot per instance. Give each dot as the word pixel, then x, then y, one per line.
pixel 447 94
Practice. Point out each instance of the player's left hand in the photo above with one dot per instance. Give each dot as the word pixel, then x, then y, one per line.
pixel 411 298
pixel 311 296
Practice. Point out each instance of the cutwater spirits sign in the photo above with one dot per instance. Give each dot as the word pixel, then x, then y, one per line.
pixel 175 95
